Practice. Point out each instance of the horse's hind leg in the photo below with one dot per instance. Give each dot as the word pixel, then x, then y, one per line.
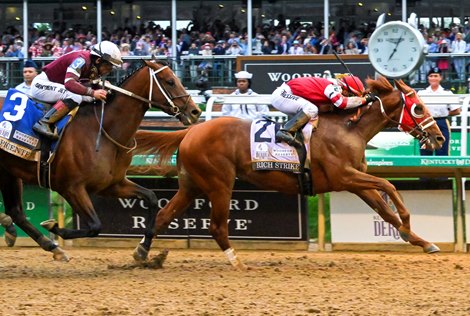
pixel 219 225
pixel 10 230
pixel 377 203
pixel 6 220
pixel 12 198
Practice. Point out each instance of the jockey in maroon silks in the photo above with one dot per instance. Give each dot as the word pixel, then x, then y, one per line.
pixel 299 98
pixel 61 82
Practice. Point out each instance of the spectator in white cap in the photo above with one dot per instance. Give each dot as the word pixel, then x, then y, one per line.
pixel 296 48
pixel 245 111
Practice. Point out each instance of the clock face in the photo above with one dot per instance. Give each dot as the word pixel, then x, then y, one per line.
pixel 396 49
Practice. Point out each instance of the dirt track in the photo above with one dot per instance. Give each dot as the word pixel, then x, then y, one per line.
pixel 96 282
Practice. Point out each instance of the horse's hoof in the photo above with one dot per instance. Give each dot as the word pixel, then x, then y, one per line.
pixel 241 267
pixel 60 255
pixel 49 224
pixel 432 249
pixel 5 220
pixel 10 235
pixel 140 254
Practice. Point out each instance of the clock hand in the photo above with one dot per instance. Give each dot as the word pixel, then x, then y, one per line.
pixel 396 45
pixel 393 53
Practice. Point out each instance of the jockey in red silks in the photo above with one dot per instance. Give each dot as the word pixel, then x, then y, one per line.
pixel 61 82
pixel 298 97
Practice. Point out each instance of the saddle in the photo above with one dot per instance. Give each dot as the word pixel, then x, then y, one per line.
pixel 267 154
pixel 18 115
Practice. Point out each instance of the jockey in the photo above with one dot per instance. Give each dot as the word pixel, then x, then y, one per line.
pixel 62 82
pixel 298 97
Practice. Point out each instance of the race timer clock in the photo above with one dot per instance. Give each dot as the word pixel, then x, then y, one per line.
pixel 396 49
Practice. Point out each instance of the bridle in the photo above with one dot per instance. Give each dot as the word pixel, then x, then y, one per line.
pixel 169 98
pixel 175 111
pixel 418 130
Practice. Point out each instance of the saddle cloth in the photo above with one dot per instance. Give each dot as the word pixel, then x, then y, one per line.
pixel 17 117
pixel 267 154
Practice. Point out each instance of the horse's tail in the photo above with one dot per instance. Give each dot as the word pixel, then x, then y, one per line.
pixel 161 144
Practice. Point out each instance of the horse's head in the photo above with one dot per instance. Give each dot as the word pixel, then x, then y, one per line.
pixel 168 93
pixel 416 119
pixel 405 109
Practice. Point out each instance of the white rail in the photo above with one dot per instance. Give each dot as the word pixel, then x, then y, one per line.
pixel 211 113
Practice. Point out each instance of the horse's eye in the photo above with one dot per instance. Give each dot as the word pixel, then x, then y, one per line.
pixel 171 82
pixel 417 110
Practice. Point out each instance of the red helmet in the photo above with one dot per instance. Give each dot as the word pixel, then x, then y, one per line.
pixel 353 85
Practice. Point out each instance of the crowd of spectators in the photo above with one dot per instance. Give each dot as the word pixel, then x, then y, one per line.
pixel 295 38
pixel 455 40
pixel 282 39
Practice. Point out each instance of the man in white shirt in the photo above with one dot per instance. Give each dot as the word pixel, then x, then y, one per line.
pixel 29 73
pixel 440 112
pixel 245 111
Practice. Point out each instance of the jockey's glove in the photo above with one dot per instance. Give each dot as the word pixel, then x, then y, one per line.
pixel 370 97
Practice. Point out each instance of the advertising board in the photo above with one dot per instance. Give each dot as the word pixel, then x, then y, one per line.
pixel 270 72
pixel 430 206
pixel 254 214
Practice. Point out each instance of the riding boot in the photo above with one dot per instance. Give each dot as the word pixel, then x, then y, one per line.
pixel 58 111
pixel 287 132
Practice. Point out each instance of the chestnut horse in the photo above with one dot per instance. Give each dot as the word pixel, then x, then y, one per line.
pixel 79 169
pixel 212 154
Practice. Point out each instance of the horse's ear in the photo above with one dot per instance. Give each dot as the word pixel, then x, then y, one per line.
pixel 153 57
pixel 401 86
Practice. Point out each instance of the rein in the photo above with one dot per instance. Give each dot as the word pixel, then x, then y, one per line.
pixel 129 149
pixel 153 77
pixel 419 128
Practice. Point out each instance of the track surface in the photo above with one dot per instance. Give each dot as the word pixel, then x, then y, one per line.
pixel 192 282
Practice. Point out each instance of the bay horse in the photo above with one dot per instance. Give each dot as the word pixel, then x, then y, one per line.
pixel 213 153
pixel 79 169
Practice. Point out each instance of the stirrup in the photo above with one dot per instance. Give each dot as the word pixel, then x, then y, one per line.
pixel 288 138
pixel 45 130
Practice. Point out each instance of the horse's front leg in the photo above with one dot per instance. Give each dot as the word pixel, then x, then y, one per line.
pixel 377 203
pixel 129 189
pixel 12 199
pixel 175 207
pixel 81 204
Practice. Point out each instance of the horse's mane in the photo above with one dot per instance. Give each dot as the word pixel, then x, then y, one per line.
pixel 130 74
pixel 140 65
pixel 381 85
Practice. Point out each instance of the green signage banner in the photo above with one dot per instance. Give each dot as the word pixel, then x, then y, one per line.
pixel 395 143
pixel 418 161
pixel 35 205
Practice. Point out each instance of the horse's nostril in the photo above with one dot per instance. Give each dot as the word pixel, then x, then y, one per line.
pixel 196 112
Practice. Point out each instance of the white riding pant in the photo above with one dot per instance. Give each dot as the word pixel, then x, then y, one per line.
pixel 47 91
pixel 283 100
